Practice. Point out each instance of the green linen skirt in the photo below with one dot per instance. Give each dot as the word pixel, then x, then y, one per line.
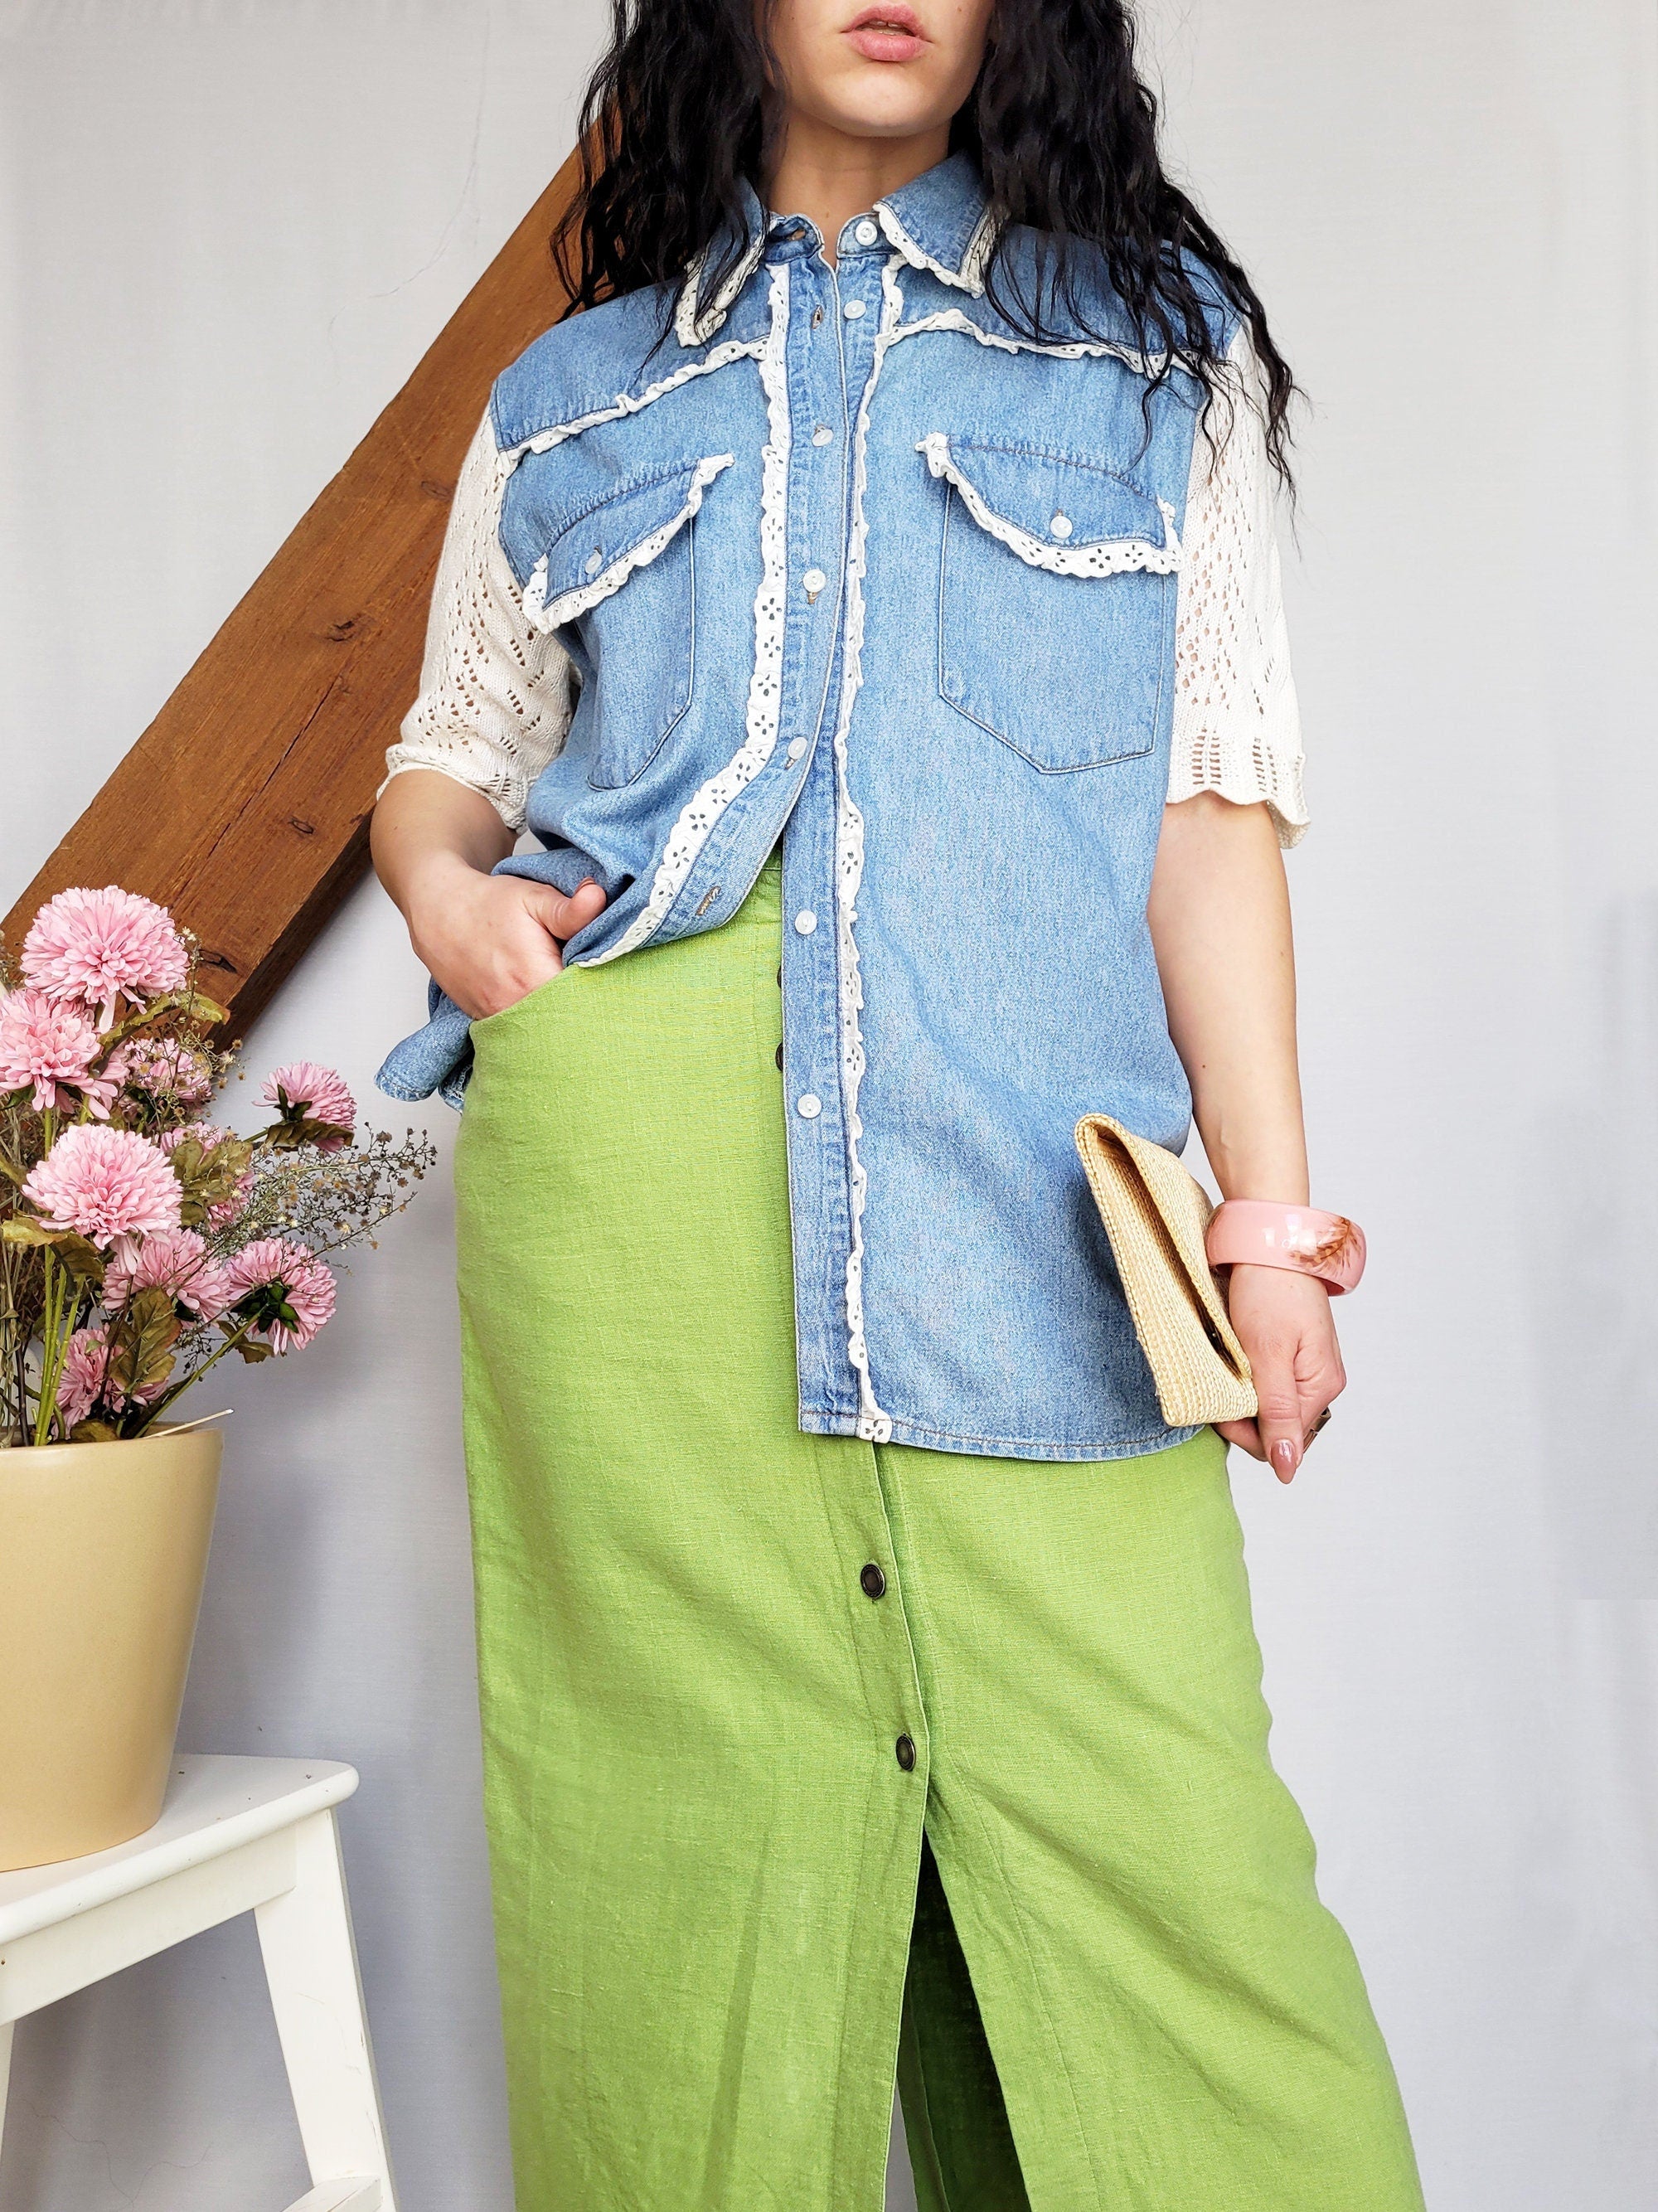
pixel 808 1758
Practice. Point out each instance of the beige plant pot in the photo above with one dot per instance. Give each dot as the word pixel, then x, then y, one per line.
pixel 103 1548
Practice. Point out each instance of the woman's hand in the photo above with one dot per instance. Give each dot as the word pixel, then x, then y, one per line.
pixel 1283 1322
pixel 1220 922
pixel 488 940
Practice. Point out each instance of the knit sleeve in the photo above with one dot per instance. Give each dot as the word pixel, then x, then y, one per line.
pixel 1237 728
pixel 494 692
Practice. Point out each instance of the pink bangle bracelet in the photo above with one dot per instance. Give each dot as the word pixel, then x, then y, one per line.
pixel 1248 1231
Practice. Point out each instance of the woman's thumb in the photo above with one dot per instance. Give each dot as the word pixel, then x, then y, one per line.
pixel 560 916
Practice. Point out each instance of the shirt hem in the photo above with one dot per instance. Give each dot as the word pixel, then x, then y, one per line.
pixel 1036 1447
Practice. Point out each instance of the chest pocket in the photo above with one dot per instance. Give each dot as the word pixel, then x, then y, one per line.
pixel 1056 603
pixel 622 566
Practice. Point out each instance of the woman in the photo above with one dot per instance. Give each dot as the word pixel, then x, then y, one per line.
pixel 868 601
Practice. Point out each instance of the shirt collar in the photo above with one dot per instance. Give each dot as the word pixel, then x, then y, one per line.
pixel 696 319
pixel 940 221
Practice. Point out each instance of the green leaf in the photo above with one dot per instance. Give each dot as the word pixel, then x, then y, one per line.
pixel 82 1260
pixel 208 1174
pixel 92 1432
pixel 23 1229
pixel 143 1356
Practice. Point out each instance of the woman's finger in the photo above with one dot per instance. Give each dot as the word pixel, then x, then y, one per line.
pixel 1244 1434
pixel 1280 1421
pixel 563 915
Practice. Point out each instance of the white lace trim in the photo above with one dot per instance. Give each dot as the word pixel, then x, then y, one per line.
pixel 693 326
pixel 1237 725
pixel 631 402
pixel 952 319
pixel 493 707
pixel 1104 557
pixel 969 277
pixel 696 821
pixel 494 704
pixel 568 604
pixel 873 1425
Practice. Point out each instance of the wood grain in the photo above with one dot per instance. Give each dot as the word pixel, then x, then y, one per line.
pixel 245 805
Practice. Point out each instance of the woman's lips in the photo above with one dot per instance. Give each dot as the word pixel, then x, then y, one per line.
pixel 887 35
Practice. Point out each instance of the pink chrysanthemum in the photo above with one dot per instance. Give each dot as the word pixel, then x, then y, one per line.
pixel 319 1092
pixel 105 1183
pixel 83 1380
pixel 99 1091
pixel 47 1044
pixel 209 1133
pixel 175 1260
pixel 80 1383
pixel 99 947
pixel 285 1287
pixel 169 1068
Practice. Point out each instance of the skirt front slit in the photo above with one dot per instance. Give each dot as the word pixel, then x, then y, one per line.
pixel 810 1761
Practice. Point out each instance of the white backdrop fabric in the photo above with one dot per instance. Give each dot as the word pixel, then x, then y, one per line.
pixel 227 232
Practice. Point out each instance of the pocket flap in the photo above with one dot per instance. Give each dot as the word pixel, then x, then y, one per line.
pixel 598 549
pixel 1064 516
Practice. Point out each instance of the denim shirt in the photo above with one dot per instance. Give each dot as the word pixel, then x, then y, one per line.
pixel 845 559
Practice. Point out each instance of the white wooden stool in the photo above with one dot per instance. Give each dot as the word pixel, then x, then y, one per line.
pixel 235 1835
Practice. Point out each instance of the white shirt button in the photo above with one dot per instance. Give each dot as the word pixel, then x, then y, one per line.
pixel 796 746
pixel 866 234
pixel 594 563
pixel 822 435
pixel 852 310
pixel 809 1106
pixel 804 922
pixel 814 579
pixel 1061 525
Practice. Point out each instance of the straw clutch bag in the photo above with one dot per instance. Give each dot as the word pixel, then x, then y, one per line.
pixel 1155 1214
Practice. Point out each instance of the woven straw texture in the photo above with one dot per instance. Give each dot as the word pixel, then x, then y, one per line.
pixel 1155 1214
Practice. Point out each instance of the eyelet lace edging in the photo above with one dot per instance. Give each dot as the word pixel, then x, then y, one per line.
pixel 969 277
pixel 952 319
pixel 695 826
pixel 568 604
pixel 627 403
pixel 1106 557
pixel 694 325
pixel 873 1424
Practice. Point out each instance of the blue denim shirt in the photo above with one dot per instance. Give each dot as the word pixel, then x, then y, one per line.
pixel 847 560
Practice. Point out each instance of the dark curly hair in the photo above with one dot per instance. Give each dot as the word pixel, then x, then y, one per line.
pixel 684 107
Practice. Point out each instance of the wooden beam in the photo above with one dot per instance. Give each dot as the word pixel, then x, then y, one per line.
pixel 244 807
